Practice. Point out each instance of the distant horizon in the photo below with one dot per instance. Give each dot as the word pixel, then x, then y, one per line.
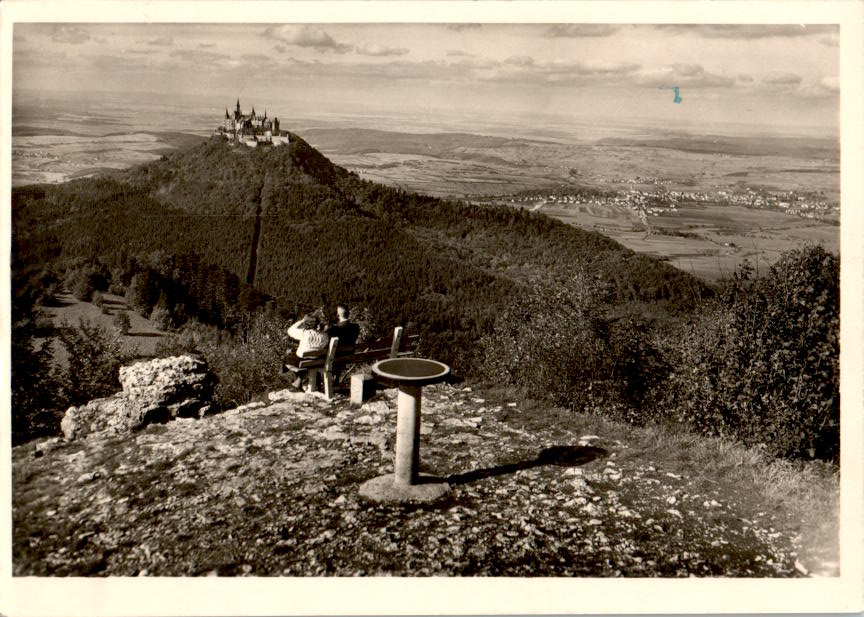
pixel 432 121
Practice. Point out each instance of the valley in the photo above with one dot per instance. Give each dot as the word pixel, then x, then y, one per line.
pixel 742 197
pixel 748 201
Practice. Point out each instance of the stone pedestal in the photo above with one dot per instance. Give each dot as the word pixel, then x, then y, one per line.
pixel 406 484
pixel 384 490
pixel 407 462
pixel 362 388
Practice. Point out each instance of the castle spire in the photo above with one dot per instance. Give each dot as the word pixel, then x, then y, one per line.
pixel 238 106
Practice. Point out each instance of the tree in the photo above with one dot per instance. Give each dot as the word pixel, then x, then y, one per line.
pixel 95 357
pixel 34 400
pixel 122 322
pixel 142 292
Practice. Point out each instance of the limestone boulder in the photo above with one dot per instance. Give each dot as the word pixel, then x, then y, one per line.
pixel 153 391
pixel 179 386
pixel 102 415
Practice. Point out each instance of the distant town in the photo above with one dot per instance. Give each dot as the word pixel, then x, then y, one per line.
pixel 656 202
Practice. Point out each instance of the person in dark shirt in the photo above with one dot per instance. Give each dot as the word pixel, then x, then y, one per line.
pixel 345 330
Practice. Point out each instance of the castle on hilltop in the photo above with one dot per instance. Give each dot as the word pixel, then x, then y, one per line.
pixel 251 129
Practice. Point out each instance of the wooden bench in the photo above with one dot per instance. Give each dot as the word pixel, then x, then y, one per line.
pixel 340 359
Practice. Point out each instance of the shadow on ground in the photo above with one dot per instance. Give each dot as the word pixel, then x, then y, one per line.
pixel 560 456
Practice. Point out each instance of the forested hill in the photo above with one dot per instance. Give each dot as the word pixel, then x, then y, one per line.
pixel 219 229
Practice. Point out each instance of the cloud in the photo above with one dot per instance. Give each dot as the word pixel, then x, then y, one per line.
pixel 459 53
pixel 745 78
pixel 520 61
pixel 463 27
pixel 782 79
pixel 831 40
pixel 306 36
pixel 527 70
pixel 748 31
pixel 684 75
pixel 206 45
pixel 831 84
pixel 198 56
pixel 162 41
pixel 379 50
pixel 256 58
pixel 581 30
pixel 69 34
pixel 827 87
pixel 280 48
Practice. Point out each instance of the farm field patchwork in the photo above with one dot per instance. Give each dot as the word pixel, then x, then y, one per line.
pixel 714 240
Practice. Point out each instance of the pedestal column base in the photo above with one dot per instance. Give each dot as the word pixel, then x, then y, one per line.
pixel 384 490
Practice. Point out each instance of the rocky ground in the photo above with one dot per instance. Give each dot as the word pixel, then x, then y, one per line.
pixel 272 489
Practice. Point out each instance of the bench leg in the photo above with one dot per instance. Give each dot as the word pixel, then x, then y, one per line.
pixel 313 381
pixel 328 385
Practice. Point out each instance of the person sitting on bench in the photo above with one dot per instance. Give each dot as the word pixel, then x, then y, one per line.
pixel 310 331
pixel 345 330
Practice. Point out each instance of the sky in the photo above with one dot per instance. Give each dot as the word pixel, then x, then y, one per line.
pixel 783 76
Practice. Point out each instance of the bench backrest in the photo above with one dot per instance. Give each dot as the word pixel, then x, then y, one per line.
pixel 375 350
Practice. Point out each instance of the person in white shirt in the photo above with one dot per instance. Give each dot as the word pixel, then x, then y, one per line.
pixel 311 331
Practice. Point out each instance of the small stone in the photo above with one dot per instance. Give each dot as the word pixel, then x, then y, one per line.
pixel 339 501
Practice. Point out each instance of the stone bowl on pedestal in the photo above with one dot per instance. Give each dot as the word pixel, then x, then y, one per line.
pixel 406 484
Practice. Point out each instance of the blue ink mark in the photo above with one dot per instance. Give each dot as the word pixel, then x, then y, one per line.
pixel 677 98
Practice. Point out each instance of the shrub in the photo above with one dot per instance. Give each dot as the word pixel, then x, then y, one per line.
pixel 247 364
pixel 161 318
pixel 561 346
pixel 762 363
